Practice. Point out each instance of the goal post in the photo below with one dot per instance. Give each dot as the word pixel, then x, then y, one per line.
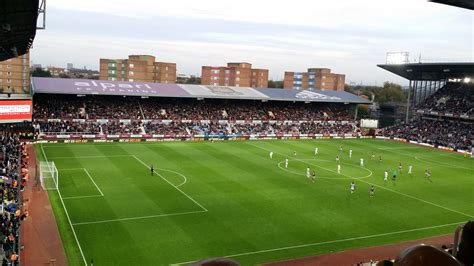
pixel 48 175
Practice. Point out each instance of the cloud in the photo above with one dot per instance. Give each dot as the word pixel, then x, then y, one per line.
pixel 350 37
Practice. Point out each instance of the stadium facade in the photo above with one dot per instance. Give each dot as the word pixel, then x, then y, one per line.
pixel 15 75
pixel 140 68
pixel 238 74
pixel 313 79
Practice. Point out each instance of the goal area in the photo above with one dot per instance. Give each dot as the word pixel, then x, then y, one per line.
pixel 48 175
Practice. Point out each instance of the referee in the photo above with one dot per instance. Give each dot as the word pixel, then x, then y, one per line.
pixel 151 169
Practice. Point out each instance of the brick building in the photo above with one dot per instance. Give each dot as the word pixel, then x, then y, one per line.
pixel 140 68
pixel 235 74
pixel 15 75
pixel 314 79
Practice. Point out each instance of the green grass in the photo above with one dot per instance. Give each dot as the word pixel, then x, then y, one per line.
pixel 233 200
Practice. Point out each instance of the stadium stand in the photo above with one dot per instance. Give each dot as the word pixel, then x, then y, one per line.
pixel 62 114
pixel 453 134
pixel 453 98
pixel 443 119
pixel 14 175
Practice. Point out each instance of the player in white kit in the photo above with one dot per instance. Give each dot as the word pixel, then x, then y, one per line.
pixel 385 176
pixel 362 162
pixel 338 168
pixel 410 170
pixel 353 187
pixel 308 172
pixel 271 155
pixel 286 163
pixel 316 151
pixel 350 153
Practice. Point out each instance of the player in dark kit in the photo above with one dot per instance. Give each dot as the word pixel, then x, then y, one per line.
pixel 372 191
pixel 152 170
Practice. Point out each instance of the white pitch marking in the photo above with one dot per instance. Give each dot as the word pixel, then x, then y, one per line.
pixel 445 164
pixel 183 176
pixel 87 172
pixel 399 148
pixel 67 215
pixel 90 177
pixel 70 169
pixel 138 218
pixel 382 187
pixel 428 160
pixel 81 197
pixel 91 156
pixel 177 188
pixel 330 242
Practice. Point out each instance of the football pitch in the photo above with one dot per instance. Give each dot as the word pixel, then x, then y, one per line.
pixel 229 199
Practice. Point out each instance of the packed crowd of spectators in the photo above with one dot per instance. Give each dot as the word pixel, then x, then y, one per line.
pixel 117 107
pixel 454 134
pixel 454 98
pixel 74 107
pixel 14 174
pixel 72 127
pixel 194 128
pixel 184 116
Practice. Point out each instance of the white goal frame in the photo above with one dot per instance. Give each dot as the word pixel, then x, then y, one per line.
pixel 49 176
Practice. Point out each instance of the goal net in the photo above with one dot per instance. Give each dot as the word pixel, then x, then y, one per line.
pixel 48 175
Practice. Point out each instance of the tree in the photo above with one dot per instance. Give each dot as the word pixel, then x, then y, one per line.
pixel 190 80
pixel 193 80
pixel 40 73
pixel 349 88
pixel 64 76
pixel 390 92
pixel 275 84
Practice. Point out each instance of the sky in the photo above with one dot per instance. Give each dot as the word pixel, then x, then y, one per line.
pixel 349 36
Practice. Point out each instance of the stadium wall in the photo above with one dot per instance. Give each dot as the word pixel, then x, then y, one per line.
pixel 155 138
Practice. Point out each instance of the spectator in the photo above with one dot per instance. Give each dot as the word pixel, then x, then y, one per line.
pixel 466 245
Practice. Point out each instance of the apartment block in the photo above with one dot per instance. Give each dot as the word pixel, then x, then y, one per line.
pixel 314 79
pixel 15 75
pixel 238 74
pixel 139 68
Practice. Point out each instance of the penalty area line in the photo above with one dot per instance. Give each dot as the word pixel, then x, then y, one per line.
pixel 137 218
pixel 176 187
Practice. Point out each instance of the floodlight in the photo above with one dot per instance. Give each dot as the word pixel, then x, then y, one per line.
pixel 467 80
